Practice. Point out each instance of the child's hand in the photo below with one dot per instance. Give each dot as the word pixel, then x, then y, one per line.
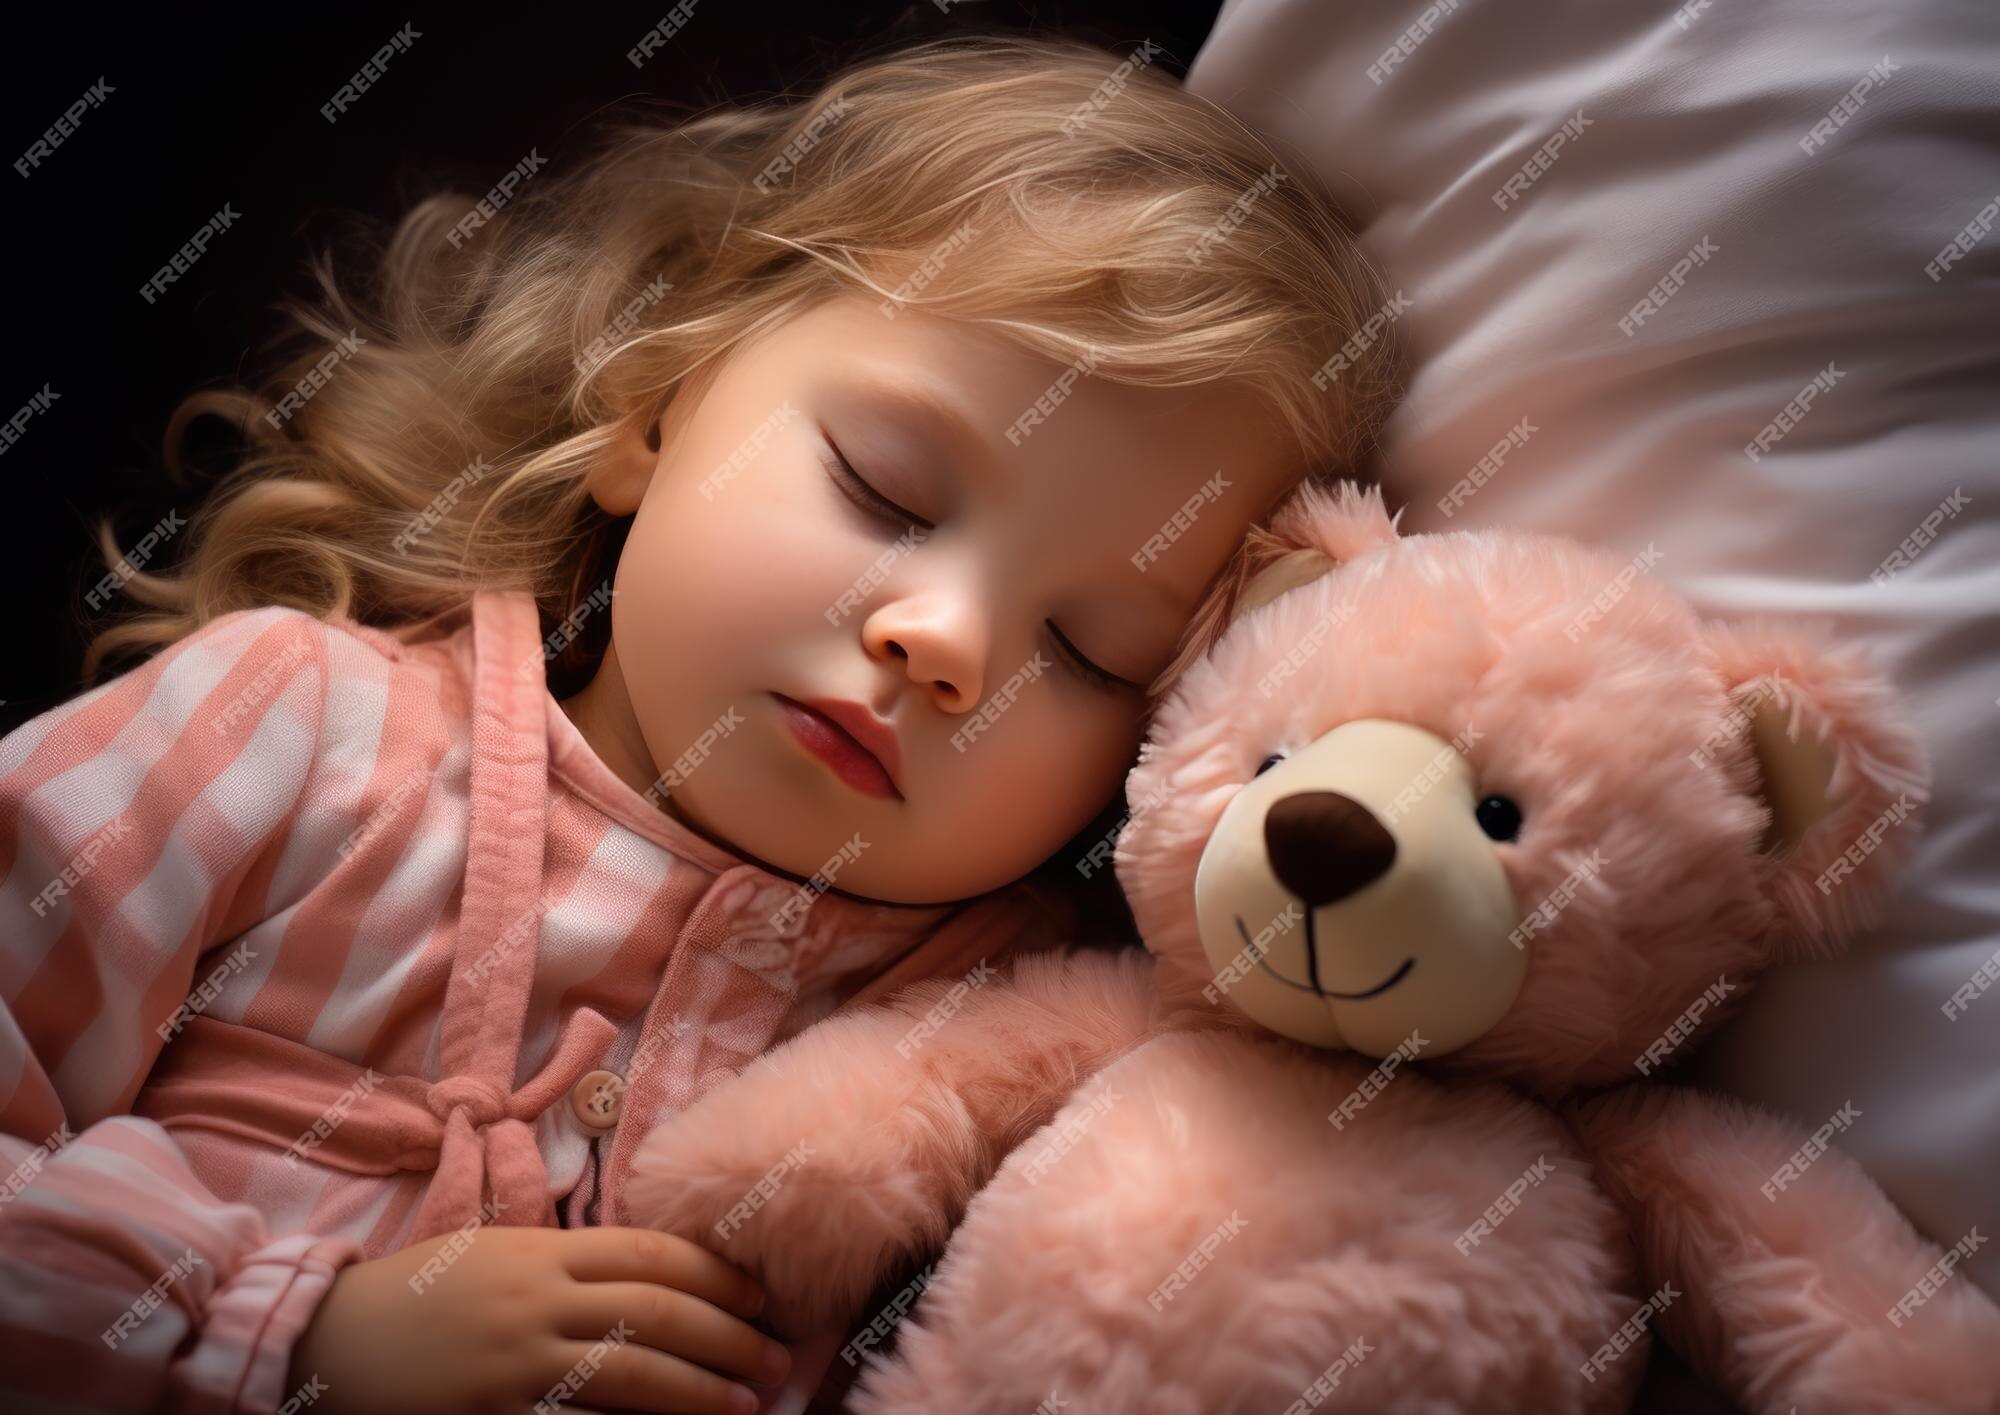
pixel 510 1320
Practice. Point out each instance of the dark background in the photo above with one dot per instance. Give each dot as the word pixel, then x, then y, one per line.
pixel 224 108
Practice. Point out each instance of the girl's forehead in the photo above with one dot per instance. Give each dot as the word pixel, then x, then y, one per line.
pixel 941 368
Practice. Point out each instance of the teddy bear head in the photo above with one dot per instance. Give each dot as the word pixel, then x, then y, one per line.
pixel 1501 801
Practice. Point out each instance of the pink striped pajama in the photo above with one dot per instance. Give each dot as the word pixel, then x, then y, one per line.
pixel 309 941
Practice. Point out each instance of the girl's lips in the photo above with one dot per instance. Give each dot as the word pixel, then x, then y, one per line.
pixel 827 740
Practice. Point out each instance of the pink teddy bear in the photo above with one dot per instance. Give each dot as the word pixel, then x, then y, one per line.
pixel 1448 846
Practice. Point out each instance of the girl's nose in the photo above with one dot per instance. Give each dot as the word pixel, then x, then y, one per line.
pixel 940 648
pixel 950 690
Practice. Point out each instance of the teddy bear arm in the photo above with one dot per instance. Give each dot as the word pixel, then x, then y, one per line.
pixel 1015 1054
pixel 1783 1275
pixel 851 1150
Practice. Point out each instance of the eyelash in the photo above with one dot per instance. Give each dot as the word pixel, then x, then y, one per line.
pixel 1085 669
pixel 869 499
pixel 866 496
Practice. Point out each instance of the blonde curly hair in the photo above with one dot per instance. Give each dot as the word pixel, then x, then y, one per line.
pixel 485 363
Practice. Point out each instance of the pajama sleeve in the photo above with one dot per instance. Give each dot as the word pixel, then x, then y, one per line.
pixel 138 825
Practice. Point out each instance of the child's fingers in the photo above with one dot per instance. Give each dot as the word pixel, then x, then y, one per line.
pixel 678 1323
pixel 643 1255
pixel 632 1376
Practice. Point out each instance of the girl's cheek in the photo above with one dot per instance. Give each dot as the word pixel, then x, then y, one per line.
pixel 752 551
pixel 787 523
pixel 1083 740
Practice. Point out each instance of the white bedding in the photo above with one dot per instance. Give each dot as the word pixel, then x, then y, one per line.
pixel 1695 125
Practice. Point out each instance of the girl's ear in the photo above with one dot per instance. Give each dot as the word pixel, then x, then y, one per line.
pixel 1313 530
pixel 618 479
pixel 1837 768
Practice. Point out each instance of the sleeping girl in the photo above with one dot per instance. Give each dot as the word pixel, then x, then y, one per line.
pixel 713 587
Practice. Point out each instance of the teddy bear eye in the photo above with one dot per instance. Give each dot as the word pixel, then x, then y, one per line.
pixel 1499 817
pixel 1268 763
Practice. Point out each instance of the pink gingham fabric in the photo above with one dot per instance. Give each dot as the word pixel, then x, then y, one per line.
pixel 307 932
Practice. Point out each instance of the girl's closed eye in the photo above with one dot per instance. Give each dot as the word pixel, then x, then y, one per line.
pixel 1088 671
pixel 862 494
pixel 865 496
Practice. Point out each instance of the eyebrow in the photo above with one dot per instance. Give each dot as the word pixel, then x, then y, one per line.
pixel 940 417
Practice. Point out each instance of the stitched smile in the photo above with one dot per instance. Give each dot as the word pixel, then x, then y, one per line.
pixel 1314 987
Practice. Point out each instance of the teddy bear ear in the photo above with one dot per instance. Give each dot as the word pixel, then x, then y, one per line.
pixel 1342 521
pixel 1312 530
pixel 1836 767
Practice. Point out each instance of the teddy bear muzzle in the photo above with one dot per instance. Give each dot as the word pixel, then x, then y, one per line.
pixel 1355 900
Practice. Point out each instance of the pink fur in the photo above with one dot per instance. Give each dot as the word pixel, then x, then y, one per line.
pixel 1349 1232
pixel 898 1147
pixel 1345 1236
pixel 1811 1275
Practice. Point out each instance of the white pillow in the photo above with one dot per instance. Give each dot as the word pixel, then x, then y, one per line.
pixel 1828 184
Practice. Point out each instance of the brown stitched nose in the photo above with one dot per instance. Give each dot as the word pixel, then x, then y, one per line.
pixel 1323 846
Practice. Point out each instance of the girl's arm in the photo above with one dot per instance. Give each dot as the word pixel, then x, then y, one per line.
pixel 853 1148
pixel 138 823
